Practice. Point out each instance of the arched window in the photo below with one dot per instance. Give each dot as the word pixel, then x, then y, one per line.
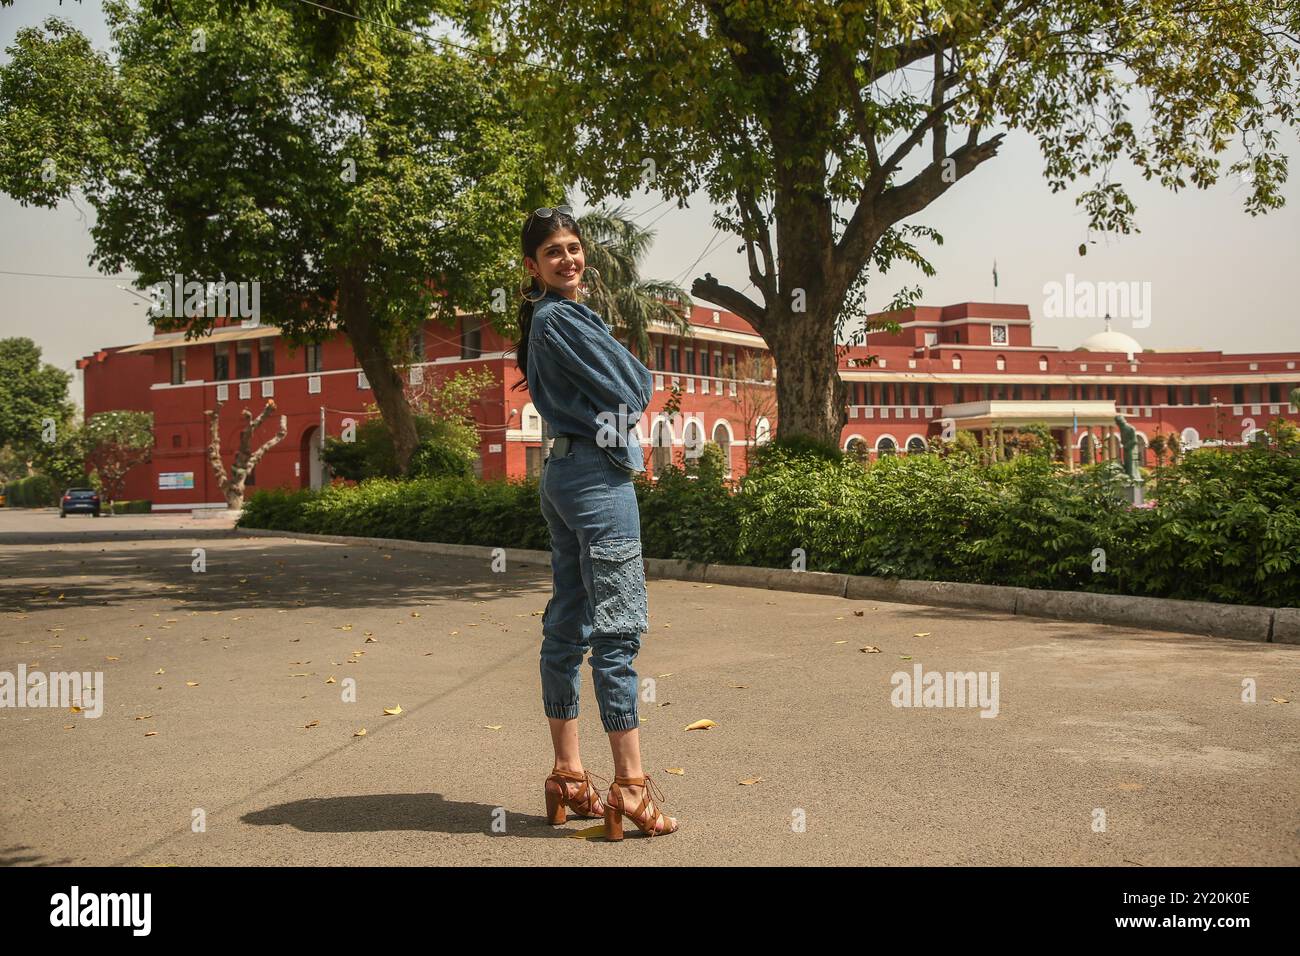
pixel 722 438
pixel 885 445
pixel 1191 438
pixel 916 445
pixel 661 455
pixel 857 448
pixel 693 438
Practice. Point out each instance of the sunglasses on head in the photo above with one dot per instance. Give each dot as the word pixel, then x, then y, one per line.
pixel 545 212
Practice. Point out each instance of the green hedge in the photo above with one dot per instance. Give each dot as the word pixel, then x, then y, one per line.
pixel 141 506
pixel 1226 526
pixel 35 491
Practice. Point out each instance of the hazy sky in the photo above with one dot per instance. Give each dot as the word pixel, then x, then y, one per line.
pixel 1219 278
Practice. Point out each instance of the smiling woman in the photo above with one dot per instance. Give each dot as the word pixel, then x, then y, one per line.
pixel 580 376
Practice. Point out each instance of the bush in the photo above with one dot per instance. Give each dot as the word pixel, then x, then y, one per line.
pixel 141 506
pixel 34 491
pixel 1226 526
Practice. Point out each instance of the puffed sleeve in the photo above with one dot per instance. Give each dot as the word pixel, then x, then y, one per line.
pixel 579 341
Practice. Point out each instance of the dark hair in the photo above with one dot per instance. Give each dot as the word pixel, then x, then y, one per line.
pixel 537 229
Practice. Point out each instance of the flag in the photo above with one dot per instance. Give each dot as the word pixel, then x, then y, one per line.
pixel 995 273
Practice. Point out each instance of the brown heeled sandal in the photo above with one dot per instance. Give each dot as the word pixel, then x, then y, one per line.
pixel 647 817
pixel 584 800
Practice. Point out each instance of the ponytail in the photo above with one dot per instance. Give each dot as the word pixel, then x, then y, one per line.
pixel 525 327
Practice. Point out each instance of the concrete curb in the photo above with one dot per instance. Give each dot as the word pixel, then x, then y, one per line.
pixel 1237 621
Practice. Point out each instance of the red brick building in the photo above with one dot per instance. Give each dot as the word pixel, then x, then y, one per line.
pixel 969 366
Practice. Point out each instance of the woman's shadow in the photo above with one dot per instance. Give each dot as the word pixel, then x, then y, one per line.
pixel 377 812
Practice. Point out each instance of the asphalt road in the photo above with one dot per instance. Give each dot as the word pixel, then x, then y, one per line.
pixel 1109 746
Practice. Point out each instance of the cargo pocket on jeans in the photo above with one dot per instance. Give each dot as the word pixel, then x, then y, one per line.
pixel 619 579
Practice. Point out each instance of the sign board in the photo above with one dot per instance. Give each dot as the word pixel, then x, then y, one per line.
pixel 175 479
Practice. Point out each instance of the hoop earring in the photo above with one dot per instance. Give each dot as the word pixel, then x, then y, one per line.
pixel 524 295
pixel 584 276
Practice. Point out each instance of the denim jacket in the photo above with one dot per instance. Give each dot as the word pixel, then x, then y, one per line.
pixel 582 379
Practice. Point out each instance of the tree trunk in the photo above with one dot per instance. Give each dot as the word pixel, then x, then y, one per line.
pixel 810 396
pixel 385 382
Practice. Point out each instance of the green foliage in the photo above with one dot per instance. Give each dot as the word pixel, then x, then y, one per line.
pixel 690 512
pixel 141 506
pixel 32 395
pixel 786 451
pixel 114 443
pixel 35 491
pixel 1226 528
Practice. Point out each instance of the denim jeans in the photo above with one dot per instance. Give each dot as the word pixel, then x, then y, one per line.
pixel 599 592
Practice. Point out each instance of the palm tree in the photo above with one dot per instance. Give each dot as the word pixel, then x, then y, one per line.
pixel 614 244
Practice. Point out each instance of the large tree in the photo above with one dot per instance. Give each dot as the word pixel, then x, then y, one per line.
pixel 365 174
pixel 820 126
pixel 34 405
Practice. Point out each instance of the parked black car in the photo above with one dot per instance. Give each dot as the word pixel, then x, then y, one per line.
pixel 79 499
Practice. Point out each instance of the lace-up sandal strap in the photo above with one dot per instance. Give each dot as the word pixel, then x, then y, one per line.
pixel 642 814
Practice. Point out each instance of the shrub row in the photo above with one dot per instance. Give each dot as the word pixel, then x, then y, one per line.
pixel 34 491
pixel 1226 526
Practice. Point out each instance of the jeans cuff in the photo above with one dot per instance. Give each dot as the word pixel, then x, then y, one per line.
pixel 620 722
pixel 560 711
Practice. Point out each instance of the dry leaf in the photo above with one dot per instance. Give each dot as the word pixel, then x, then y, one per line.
pixel 393 711
pixel 144 716
pixel 859 613
pixel 589 833
pixel 870 649
pixel 1281 700
pixel 360 733
pixel 372 640
pixel 152 733
pixel 159 671
pixel 739 686
pixel 314 723
pixel 415 614
pixel 750 782
pixel 675 770
pixel 922 634
pixel 74 709
pixel 701 725
pixel 191 683
pixel 904 658
pixel 331 680
pixel 839 642
pixel 344 627
pixel 493 726
pixel 112 658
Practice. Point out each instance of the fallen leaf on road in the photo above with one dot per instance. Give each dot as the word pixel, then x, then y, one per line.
pixel 739 686
pixel 393 711
pixel 191 683
pixel 152 733
pixel 144 716
pixel 839 642
pixel 701 725
pixel 870 649
pixel 751 781
pixel 675 770
pixel 159 671
pixel 1281 700
pixel 112 658
pixel 74 709
pixel 904 658
pixel 493 726
pixel 589 833
pixel 372 640
pixel 360 733
pixel 331 680
pixel 859 613
pixel 922 634
pixel 415 614
pixel 314 723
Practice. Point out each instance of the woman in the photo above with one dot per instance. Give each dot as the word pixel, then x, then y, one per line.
pixel 590 390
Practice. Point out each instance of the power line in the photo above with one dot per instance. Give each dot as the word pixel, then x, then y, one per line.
pixel 54 275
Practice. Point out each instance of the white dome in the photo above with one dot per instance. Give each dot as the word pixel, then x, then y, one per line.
pixel 1109 341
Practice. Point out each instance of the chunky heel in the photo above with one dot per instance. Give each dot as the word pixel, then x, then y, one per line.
pixel 582 800
pixel 647 817
pixel 554 807
pixel 613 824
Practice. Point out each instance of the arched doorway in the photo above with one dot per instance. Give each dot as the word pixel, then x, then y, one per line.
pixel 312 472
